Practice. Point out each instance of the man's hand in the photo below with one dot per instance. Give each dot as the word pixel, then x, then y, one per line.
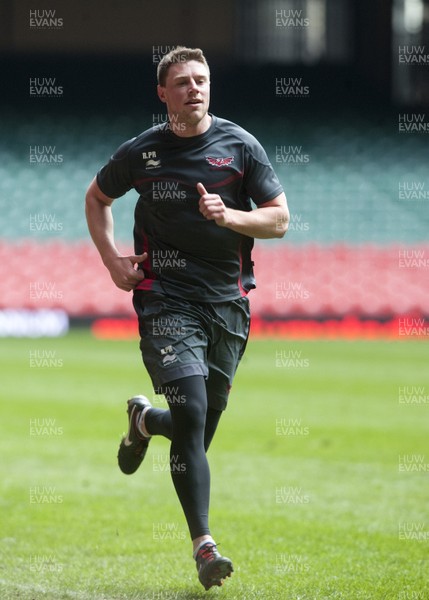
pixel 123 271
pixel 212 207
pixel 270 220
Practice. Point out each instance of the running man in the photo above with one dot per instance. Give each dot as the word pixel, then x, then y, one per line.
pixel 194 231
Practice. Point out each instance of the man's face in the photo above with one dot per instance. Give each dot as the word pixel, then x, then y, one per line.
pixel 186 93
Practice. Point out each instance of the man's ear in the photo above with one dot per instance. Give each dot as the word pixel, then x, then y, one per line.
pixel 161 93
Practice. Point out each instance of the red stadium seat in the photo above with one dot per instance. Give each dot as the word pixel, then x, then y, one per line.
pixel 306 281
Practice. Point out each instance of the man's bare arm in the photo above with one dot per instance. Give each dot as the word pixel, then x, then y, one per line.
pixel 101 227
pixel 269 220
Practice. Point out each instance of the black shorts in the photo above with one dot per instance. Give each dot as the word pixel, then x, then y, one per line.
pixel 179 338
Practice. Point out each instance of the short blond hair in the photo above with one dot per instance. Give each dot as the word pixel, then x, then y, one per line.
pixel 180 54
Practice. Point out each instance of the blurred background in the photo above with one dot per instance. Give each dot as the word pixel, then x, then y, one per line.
pixel 337 91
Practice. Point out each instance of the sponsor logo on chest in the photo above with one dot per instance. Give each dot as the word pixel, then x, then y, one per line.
pixel 151 159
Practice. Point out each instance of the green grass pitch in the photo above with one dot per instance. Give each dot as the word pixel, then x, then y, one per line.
pixel 320 475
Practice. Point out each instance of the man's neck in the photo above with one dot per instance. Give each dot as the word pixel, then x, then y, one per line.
pixel 188 130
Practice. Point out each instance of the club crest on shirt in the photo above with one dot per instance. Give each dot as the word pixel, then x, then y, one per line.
pixel 219 162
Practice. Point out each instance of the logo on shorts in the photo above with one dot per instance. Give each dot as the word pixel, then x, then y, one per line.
pixel 169 355
pixel 219 162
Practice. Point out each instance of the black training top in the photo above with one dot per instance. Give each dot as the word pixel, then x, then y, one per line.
pixel 188 256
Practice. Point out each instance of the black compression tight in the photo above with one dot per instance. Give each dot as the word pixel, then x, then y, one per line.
pixel 190 425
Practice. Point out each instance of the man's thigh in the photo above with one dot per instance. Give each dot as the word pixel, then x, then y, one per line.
pixel 228 339
pixel 173 342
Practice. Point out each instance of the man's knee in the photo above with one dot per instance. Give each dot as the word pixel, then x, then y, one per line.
pixel 187 400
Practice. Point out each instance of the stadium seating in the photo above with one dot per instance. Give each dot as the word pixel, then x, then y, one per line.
pixel 341 256
pixel 304 281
